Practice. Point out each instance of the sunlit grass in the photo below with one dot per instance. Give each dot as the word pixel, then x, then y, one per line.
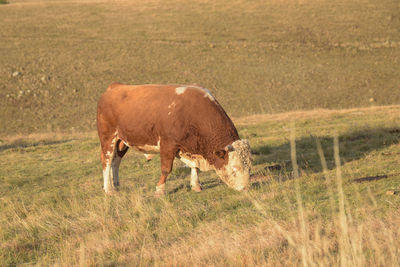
pixel 53 209
pixel 325 190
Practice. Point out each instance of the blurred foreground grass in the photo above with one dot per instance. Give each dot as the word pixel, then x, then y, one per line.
pixel 53 210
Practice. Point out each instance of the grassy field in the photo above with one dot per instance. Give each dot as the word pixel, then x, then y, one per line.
pixel 313 84
pixel 53 210
pixel 256 57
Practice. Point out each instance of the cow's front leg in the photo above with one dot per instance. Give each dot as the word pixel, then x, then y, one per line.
pixel 194 180
pixel 167 159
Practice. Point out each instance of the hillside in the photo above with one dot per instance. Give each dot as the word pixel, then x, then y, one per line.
pixel 256 57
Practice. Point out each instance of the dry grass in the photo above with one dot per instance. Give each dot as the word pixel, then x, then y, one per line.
pixel 277 57
pixel 272 243
pixel 390 112
pixel 53 210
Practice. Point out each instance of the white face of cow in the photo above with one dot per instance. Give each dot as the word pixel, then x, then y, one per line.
pixel 236 174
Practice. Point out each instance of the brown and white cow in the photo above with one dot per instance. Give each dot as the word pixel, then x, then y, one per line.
pixel 180 121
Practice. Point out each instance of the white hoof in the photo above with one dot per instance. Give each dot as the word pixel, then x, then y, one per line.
pixel 197 188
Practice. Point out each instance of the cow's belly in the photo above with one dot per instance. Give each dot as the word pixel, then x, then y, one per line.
pixel 148 149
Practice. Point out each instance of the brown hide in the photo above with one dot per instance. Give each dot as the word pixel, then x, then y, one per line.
pixel 187 119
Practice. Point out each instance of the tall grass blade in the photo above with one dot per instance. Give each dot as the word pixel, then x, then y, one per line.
pixel 325 172
pixel 300 210
pixel 344 244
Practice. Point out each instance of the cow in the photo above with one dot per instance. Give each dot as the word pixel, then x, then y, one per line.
pixel 176 121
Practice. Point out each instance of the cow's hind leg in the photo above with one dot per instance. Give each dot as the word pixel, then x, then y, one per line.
pixel 106 160
pixel 109 162
pixel 119 151
pixel 194 180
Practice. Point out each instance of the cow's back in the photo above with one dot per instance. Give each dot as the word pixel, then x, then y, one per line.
pixel 187 115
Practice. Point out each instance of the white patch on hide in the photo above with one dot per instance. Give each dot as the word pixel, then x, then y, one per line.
pixel 172 105
pixel 188 161
pixel 205 91
pixel 114 140
pixel 208 94
pixel 195 161
pixel 180 90
pixel 150 148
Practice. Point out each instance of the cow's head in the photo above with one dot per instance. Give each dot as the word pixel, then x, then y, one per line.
pixel 236 172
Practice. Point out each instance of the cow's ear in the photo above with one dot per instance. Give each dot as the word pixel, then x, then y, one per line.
pixel 220 153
